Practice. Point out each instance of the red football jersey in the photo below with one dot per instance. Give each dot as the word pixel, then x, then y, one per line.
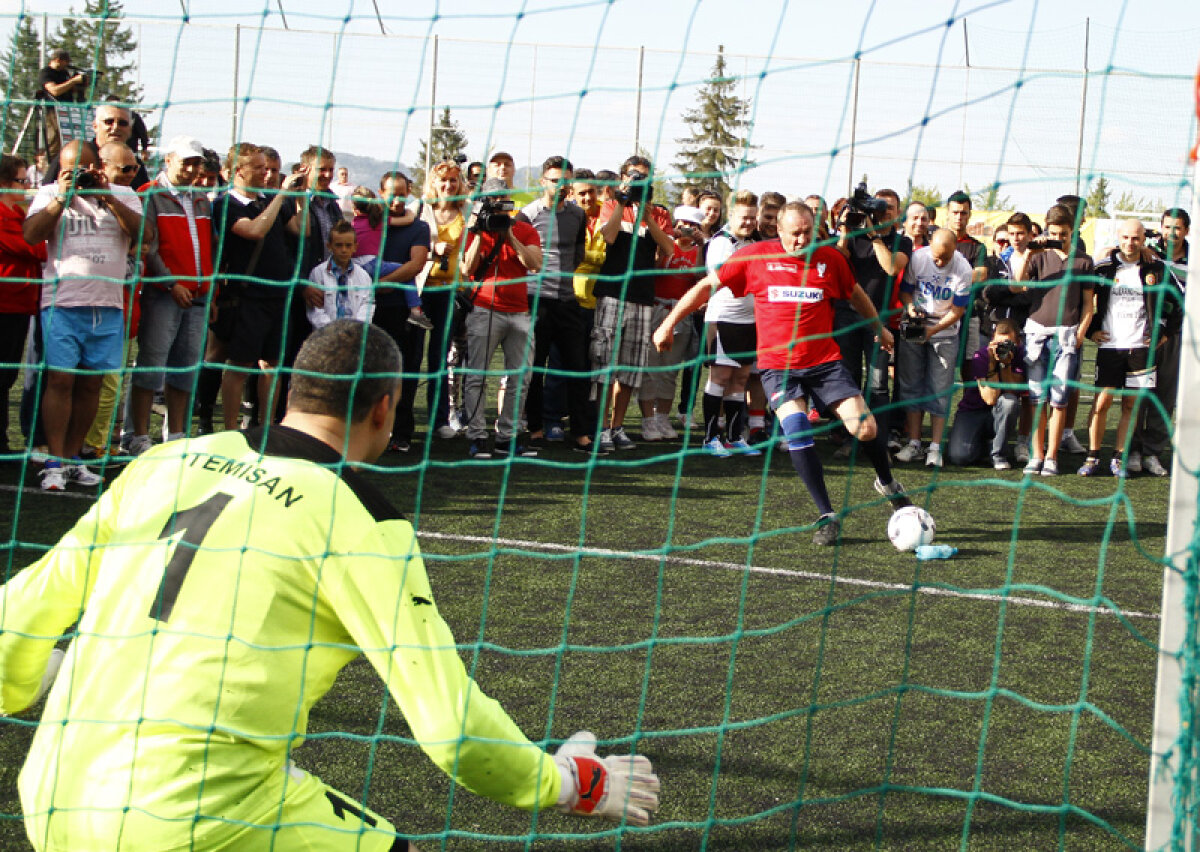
pixel 793 301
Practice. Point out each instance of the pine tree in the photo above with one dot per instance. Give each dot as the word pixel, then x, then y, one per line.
pixel 96 39
pixel 1097 199
pixel 448 143
pixel 718 141
pixel 19 67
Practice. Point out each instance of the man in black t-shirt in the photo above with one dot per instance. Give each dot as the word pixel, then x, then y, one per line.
pixel 259 264
pixel 878 254
pixel 58 83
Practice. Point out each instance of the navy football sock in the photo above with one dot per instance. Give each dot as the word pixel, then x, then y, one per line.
pixel 808 465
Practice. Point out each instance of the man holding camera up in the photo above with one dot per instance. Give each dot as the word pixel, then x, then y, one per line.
pixel 88 226
pixel 501 255
pixel 935 294
pixel 878 254
pixel 635 231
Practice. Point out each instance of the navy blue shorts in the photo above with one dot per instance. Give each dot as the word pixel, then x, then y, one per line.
pixel 825 384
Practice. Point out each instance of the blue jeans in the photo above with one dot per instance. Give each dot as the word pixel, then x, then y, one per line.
pixel 973 428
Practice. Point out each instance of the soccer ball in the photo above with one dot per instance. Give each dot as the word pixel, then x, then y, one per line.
pixel 911 527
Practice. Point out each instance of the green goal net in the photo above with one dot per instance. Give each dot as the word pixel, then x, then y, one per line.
pixel 790 696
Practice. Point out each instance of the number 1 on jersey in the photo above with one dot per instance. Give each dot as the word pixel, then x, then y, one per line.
pixel 195 524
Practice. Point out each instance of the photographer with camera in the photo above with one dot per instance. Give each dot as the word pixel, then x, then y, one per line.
pixel 501 256
pixel 935 295
pixel 58 82
pixel 637 233
pixel 89 226
pixel 878 254
pixel 990 407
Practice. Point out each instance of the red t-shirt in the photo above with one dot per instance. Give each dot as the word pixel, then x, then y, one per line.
pixel 793 301
pixel 504 287
pixel 688 269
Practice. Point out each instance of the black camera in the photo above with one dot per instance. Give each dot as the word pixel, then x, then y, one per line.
pixel 863 209
pixel 85 179
pixel 492 213
pixel 1047 243
pixel 912 325
pixel 1005 351
pixel 640 191
pixel 90 75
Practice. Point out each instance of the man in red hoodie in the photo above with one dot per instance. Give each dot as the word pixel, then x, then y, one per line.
pixel 21 274
pixel 177 280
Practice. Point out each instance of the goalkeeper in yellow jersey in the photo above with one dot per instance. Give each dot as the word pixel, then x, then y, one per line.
pixel 219 586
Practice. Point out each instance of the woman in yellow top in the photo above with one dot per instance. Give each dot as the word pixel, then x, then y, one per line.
pixel 445 197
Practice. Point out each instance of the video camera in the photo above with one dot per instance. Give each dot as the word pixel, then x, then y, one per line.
pixel 863 209
pixel 90 75
pixel 912 325
pixel 492 214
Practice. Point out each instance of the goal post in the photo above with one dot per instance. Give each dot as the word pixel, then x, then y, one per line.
pixel 1171 812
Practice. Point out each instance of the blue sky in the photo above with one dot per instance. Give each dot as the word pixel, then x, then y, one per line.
pixel 559 75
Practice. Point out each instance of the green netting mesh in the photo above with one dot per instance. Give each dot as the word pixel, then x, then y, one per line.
pixel 672 602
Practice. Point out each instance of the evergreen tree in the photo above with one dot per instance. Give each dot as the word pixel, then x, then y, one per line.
pixel 448 142
pixel 96 39
pixel 19 67
pixel 718 141
pixel 1097 199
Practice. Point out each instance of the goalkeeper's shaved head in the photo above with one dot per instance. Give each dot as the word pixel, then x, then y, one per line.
pixel 345 367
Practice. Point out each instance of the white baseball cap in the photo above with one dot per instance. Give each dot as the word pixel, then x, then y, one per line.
pixel 687 213
pixel 185 147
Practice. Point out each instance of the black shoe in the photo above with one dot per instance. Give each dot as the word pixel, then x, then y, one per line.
pixel 827 533
pixel 400 446
pixel 478 449
pixel 591 449
pixel 505 449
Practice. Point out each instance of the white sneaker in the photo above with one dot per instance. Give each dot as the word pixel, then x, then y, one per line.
pixel 1133 464
pixel 1000 463
pixel 446 432
pixel 1153 466
pixel 1034 465
pixel 53 479
pixel 650 430
pixel 1021 454
pixel 934 457
pixel 1050 467
pixel 81 474
pixel 909 452
pixel 1071 444
pixel 136 445
pixel 665 430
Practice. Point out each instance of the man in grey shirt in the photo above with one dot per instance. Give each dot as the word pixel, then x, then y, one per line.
pixel 557 317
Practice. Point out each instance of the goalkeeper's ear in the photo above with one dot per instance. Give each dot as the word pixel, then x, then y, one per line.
pixel 622 788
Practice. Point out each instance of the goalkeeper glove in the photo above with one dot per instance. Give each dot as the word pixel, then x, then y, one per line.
pixel 617 787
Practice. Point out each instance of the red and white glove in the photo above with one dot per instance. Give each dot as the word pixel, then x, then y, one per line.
pixel 622 788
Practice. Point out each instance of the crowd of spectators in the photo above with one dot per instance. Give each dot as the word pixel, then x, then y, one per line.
pixel 219 269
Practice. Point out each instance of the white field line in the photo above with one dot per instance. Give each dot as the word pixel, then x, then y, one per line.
pixel 727 566
pixel 780 572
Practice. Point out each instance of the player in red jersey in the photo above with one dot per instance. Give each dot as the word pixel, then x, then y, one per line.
pixel 794 286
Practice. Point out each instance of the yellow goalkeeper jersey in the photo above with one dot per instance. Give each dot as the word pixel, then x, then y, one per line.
pixel 220 585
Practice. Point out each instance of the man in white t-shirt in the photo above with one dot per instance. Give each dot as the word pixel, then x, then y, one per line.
pixel 343 189
pixel 89 225
pixel 1121 327
pixel 936 292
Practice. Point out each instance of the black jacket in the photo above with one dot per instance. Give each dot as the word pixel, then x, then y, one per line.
pixel 1163 301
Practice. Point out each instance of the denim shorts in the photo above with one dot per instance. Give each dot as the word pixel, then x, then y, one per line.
pixel 91 338
pixel 168 336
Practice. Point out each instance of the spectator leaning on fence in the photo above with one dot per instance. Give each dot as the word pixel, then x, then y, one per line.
pixel 178 276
